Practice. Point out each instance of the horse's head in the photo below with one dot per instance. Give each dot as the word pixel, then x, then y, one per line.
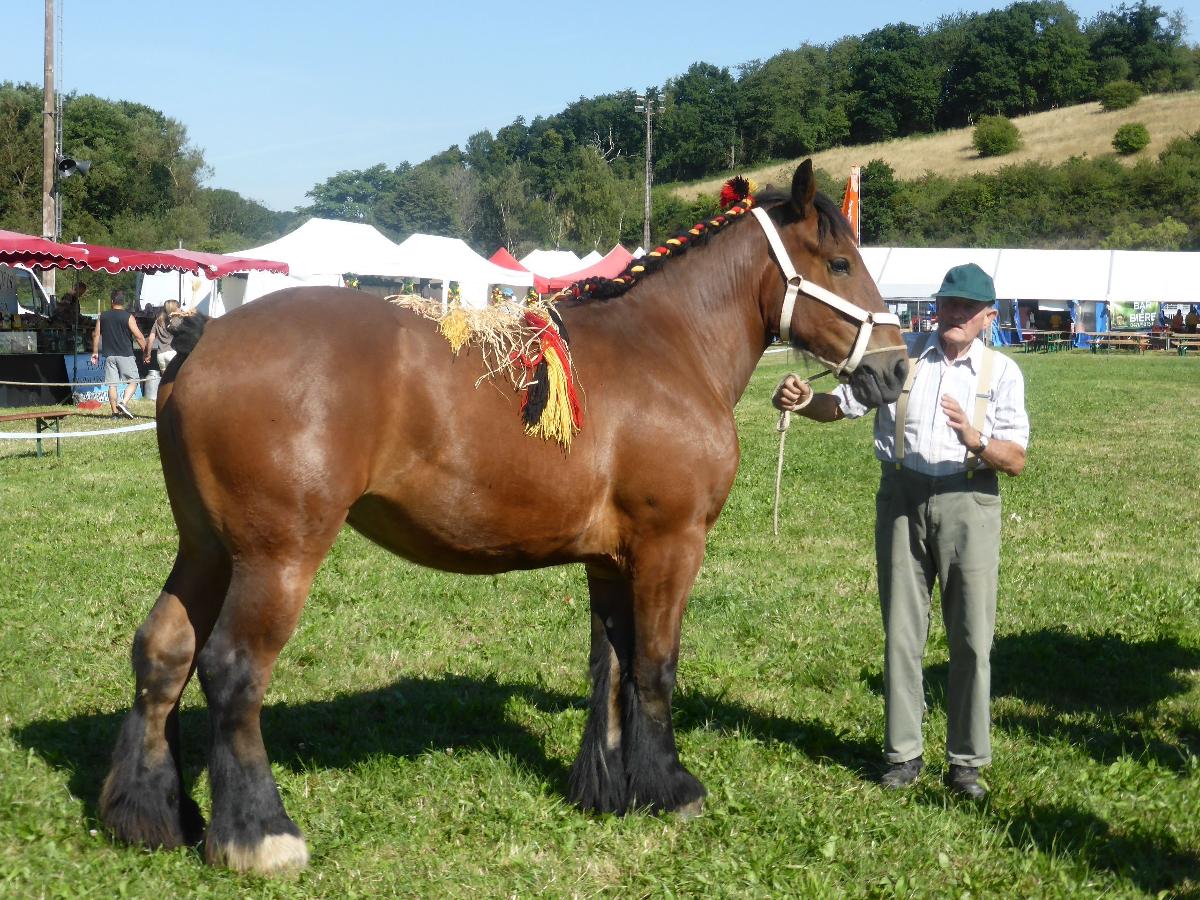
pixel 828 305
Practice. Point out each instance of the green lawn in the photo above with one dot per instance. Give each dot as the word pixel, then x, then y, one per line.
pixel 422 725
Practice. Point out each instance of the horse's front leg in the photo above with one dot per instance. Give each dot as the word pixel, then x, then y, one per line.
pixel 598 782
pixel 662 575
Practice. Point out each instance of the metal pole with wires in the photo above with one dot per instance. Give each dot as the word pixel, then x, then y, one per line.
pixel 651 106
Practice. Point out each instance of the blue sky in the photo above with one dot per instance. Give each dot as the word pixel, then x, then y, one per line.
pixel 281 95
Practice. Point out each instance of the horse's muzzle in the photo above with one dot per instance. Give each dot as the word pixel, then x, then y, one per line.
pixel 880 377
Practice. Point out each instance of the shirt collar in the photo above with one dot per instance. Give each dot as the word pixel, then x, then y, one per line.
pixel 934 346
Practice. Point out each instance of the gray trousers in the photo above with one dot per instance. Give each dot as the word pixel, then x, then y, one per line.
pixel 949 529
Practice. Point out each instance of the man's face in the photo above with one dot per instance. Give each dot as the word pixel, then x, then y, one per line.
pixel 961 320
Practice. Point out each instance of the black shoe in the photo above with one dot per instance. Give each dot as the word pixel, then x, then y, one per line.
pixel 964 781
pixel 124 410
pixel 901 775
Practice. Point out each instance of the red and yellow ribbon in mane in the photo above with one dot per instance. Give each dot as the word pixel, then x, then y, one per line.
pixel 550 407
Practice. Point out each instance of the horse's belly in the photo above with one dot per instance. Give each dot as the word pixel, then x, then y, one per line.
pixel 476 539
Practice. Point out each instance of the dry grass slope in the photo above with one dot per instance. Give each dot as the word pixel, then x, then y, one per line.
pixel 1049 137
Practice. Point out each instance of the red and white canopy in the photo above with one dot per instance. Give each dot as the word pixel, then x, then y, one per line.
pixel 27 250
pixel 218 265
pixel 35 251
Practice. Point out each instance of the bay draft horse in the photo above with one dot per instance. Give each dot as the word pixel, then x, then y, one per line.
pixel 395 440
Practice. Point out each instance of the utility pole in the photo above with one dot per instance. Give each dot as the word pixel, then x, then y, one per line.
pixel 49 140
pixel 650 106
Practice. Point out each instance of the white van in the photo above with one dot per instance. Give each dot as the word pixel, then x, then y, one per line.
pixel 21 291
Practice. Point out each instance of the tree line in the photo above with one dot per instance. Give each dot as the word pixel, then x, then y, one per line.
pixel 575 179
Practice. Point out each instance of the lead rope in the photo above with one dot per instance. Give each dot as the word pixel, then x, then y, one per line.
pixel 785 421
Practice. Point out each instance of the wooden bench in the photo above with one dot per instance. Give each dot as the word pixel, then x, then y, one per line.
pixel 1138 342
pixel 1185 342
pixel 1054 344
pixel 44 421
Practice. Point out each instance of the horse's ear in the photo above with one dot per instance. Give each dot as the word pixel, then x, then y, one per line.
pixel 804 188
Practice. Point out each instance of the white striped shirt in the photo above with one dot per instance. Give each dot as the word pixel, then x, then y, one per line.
pixel 931 446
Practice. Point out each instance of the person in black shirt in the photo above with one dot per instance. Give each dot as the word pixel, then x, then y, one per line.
pixel 116 332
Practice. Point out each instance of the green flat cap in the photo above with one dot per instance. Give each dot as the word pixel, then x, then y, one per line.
pixel 968 282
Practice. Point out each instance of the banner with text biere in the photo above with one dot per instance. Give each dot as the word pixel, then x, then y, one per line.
pixel 1132 316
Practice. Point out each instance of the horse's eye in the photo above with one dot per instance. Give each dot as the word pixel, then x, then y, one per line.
pixel 840 266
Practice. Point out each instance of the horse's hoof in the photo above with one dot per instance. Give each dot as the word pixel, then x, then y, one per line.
pixel 691 810
pixel 274 854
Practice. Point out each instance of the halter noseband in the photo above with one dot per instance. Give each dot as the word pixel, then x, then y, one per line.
pixel 797 285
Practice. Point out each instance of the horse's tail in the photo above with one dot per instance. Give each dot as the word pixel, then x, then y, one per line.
pixel 187 330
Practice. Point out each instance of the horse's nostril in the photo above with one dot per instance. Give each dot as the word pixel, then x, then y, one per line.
pixel 901 370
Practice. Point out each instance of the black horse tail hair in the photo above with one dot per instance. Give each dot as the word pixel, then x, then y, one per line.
pixel 187 330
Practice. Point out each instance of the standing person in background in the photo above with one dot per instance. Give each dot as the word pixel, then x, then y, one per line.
pixel 162 335
pixel 67 309
pixel 116 331
pixel 959 420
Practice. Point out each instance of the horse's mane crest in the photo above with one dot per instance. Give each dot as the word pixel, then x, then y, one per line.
pixel 830 222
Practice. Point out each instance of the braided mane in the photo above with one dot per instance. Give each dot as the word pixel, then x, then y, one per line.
pixel 830 222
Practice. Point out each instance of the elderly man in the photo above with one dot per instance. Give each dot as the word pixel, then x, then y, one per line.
pixel 959 421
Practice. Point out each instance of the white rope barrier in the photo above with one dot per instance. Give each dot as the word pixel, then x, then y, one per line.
pixel 74 383
pixel 49 435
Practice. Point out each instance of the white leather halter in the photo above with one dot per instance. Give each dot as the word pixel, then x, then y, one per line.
pixel 796 285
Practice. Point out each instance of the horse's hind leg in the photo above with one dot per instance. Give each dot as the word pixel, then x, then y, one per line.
pixel 143 799
pixel 598 779
pixel 250 831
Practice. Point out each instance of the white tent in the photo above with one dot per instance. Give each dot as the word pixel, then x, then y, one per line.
pixel 246 286
pixel 1052 275
pixel 191 291
pixel 551 263
pixel 591 259
pixel 1139 276
pixel 1055 277
pixel 916 272
pixel 450 259
pixel 328 247
pixel 319 252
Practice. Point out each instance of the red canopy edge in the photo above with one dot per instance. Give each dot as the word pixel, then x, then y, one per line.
pixel 36 251
pixel 218 265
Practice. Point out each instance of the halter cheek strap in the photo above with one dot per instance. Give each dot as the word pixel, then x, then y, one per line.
pixel 796 285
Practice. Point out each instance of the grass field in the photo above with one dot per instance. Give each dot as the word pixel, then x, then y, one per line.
pixel 1050 137
pixel 422 725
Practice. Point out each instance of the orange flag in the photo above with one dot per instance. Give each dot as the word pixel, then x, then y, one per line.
pixel 852 203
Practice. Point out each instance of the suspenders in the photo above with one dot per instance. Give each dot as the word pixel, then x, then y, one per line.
pixel 902 406
pixel 983 394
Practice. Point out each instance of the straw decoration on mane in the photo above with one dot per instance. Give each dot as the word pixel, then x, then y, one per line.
pixel 526 344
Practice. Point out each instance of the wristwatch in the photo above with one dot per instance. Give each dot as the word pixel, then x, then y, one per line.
pixel 983 442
